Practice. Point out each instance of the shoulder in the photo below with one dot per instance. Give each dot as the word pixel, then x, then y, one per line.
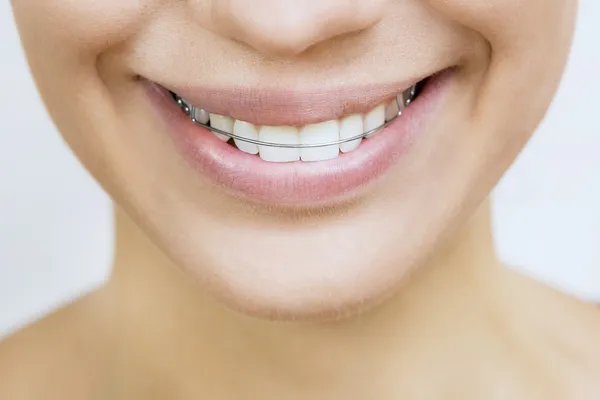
pixel 58 357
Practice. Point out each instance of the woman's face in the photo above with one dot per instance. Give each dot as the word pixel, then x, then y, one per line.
pixel 339 227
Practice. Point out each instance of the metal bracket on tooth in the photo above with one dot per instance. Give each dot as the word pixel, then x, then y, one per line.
pixel 411 95
pixel 403 100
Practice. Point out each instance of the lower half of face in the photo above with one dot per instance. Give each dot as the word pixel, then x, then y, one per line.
pixel 271 222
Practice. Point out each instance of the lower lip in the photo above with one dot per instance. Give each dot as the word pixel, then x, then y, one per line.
pixel 299 183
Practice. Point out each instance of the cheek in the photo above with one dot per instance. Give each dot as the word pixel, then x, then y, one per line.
pixel 528 41
pixel 64 40
pixel 512 25
pixel 83 26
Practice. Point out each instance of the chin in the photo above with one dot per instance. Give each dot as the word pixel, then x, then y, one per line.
pixel 333 267
pixel 295 288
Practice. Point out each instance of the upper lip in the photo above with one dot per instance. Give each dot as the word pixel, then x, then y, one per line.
pixel 276 107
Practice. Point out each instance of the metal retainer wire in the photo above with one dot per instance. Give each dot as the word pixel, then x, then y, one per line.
pixel 403 100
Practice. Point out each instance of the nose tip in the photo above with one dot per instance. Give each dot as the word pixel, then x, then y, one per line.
pixel 286 28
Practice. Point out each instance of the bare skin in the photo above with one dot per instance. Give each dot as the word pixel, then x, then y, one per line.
pixel 464 327
pixel 394 294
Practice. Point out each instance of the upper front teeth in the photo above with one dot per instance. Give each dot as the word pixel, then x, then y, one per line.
pixel 245 130
pixel 288 143
pixel 350 127
pixel 324 132
pixel 279 135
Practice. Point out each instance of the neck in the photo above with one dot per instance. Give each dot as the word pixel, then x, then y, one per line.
pixel 193 346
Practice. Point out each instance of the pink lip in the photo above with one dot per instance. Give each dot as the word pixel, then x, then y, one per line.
pixel 297 183
pixel 289 107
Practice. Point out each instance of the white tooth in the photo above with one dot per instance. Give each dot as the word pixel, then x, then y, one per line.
pixel 280 135
pixel 375 118
pixel 201 116
pixel 323 132
pixel 351 126
pixel 248 131
pixel 391 111
pixel 222 123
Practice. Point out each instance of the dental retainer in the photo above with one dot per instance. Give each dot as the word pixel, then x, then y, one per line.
pixel 402 100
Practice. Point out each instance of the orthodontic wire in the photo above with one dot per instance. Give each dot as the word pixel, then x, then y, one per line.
pixel 407 97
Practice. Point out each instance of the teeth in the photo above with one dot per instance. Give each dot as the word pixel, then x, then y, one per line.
pixel 279 135
pixel 375 118
pixel 351 126
pixel 248 131
pixel 201 116
pixel 222 123
pixel 391 111
pixel 324 132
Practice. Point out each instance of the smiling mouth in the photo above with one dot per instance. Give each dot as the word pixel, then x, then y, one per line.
pixel 289 148
pixel 313 142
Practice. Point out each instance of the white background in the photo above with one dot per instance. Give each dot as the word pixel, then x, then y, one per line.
pixel 55 224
